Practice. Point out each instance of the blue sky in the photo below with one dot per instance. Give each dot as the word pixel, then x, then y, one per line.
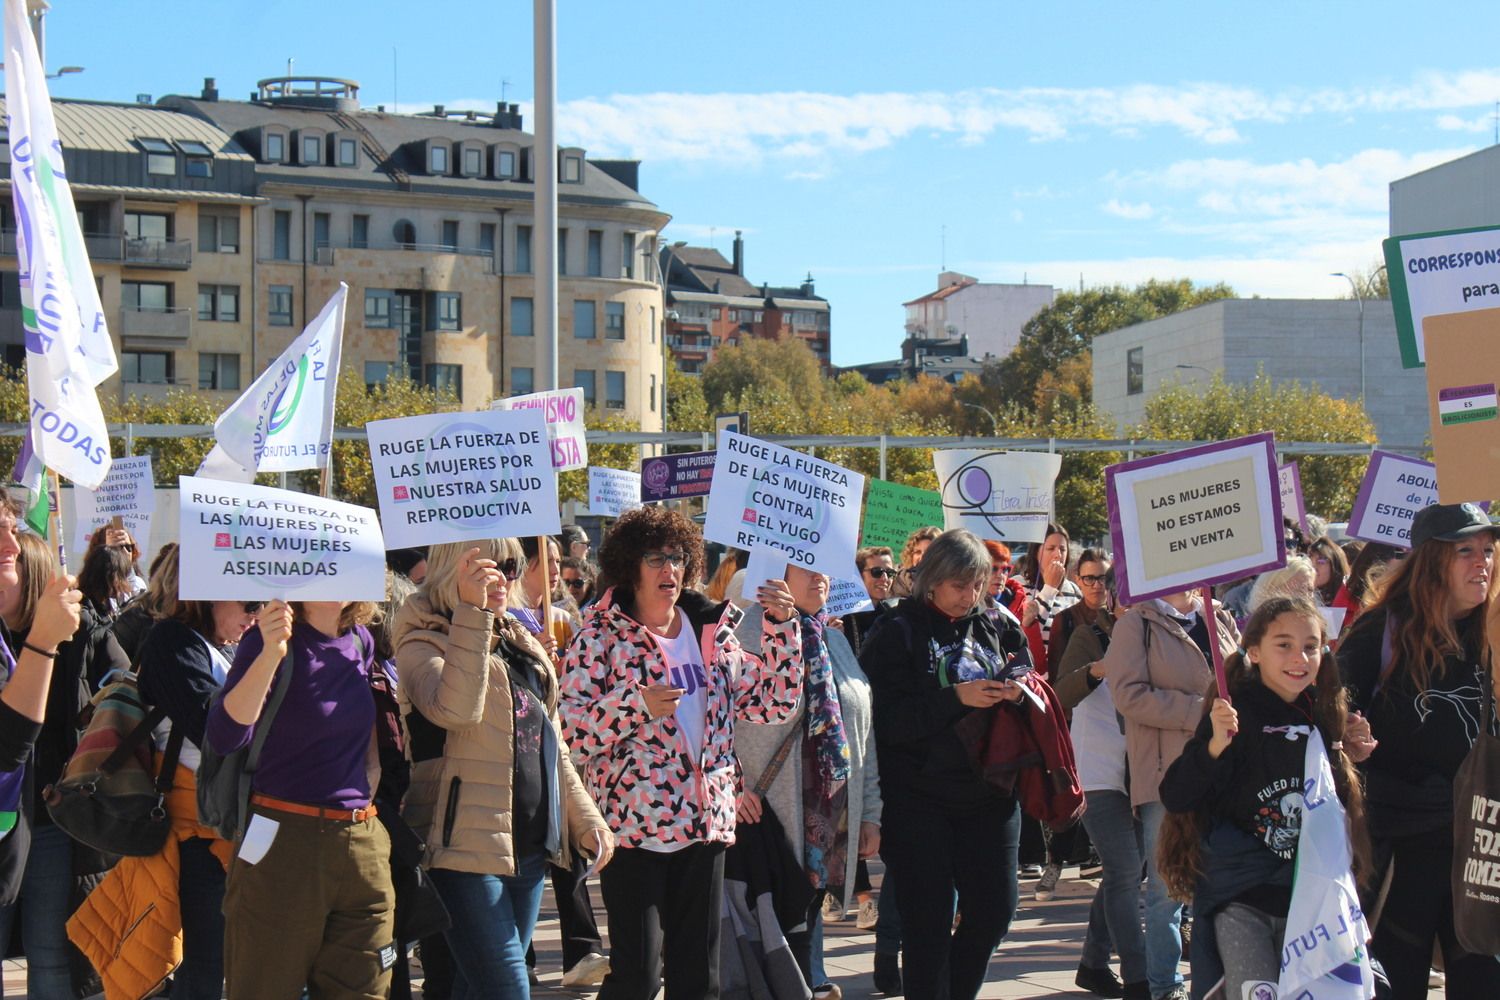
pixel 1248 143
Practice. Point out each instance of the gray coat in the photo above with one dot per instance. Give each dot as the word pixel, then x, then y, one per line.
pixel 755 745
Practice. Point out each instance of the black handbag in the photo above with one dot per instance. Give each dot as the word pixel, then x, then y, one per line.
pixel 420 911
pixel 1476 838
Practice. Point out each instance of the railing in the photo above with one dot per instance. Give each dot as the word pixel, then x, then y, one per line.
pixel 167 326
pixel 142 251
pixel 324 254
pixel 100 246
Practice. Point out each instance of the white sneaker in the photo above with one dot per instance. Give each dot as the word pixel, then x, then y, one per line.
pixel 1046 886
pixel 868 915
pixel 590 970
pixel 833 909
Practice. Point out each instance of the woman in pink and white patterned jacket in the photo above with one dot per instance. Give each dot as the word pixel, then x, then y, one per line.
pixel 651 688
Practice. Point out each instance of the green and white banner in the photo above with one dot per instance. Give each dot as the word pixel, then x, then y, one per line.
pixel 1433 274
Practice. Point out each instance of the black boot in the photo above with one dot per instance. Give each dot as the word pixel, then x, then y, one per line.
pixel 1100 982
pixel 888 974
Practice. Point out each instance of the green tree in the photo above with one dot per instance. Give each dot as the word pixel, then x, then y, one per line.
pixel 686 408
pixel 1292 410
pixel 353 478
pixel 786 364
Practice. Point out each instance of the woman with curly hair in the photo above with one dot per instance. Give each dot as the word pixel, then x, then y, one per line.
pixel 652 688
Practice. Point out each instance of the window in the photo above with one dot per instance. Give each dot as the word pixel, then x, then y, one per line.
pixel 281 236
pixel 572 172
pixel 596 253
pixel 161 157
pixel 146 296
pixel 199 160
pixel 583 378
pixel 522 381
pixel 379 373
pixel 148 226
pixel 312 150
pixel 614 321
pixel 405 234
pixel 10 290
pixel 1135 371
pixel 275 147
pixel 473 161
pixel 218 232
pixel 154 367
pixel 279 305
pixel 378 307
pixel 322 230
pixel 505 164
pixel 521 317
pixel 523 249
pixel 562 251
pixel 348 152
pixel 444 308
pixel 583 319
pixel 627 256
pixel 653 324
pixel 487 238
pixel 449 239
pixel 449 377
pixel 359 232
pixel 219 302
pixel 614 390
pixel 218 371
pixel 437 159
pixel 653 393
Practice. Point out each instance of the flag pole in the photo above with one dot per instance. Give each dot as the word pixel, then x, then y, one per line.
pixel 54 520
pixel 543 555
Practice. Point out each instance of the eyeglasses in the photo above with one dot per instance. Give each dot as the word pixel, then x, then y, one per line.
pixel 511 568
pixel 1091 581
pixel 576 584
pixel 253 607
pixel 656 560
pixel 881 573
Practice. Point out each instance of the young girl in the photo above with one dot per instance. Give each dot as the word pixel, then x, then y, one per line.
pixel 1235 796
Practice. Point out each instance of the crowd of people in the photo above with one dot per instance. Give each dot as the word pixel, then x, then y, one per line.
pixel 725 766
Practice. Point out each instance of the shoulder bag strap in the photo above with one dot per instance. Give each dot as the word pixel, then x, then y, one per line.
pixel 768 776
pixel 263 726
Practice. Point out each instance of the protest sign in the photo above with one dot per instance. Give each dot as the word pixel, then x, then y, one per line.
pixel 1394 489
pixel 893 511
pixel 1290 477
pixel 1195 517
pixel 1463 369
pixel 458 477
pixel 765 495
pixel 847 597
pixel 1432 274
pixel 674 477
pixel 613 491
pixel 242 542
pixel 1003 495
pixel 563 410
pixel 128 492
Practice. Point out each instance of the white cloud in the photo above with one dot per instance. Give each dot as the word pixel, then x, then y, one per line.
pixel 1455 123
pixel 1128 210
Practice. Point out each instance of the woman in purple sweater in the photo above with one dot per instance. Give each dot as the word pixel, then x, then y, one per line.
pixel 308 901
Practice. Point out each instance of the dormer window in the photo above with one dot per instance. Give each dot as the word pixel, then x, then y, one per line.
pixel 472 162
pixel 199 160
pixel 161 157
pixel 437 158
pixel 506 162
pixel 310 148
pixel 346 151
pixel 572 166
pixel 273 146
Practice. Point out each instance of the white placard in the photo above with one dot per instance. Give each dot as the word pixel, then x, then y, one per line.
pixel 847 597
pixel 128 492
pixel 1395 487
pixel 1333 618
pixel 1438 274
pixel 458 477
pixel 1002 495
pixel 242 542
pixel 613 491
pixel 767 495
pixel 563 410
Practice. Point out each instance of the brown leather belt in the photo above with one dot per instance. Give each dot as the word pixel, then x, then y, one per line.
pixel 317 812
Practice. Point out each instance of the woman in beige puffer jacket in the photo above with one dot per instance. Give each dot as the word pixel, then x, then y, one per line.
pixel 492 789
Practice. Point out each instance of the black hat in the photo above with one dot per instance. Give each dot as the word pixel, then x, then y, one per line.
pixel 1448 522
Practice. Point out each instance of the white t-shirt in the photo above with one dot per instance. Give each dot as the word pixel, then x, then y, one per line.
pixel 685 667
pixel 1098 743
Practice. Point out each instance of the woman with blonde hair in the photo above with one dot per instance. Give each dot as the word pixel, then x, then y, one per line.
pixel 1296 579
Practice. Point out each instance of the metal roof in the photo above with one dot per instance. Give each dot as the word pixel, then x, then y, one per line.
pixel 159 194
pixel 114 128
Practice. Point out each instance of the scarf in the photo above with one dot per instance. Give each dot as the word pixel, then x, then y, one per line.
pixel 825 763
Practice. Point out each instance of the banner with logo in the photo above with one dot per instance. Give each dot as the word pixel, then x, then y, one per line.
pixel 458 477
pixel 676 477
pixel 1002 495
pixel 128 492
pixel 563 409
pixel 613 491
pixel 242 542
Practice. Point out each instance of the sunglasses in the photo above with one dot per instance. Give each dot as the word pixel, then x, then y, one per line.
pixel 576 584
pixel 656 560
pixel 253 607
pixel 880 572
pixel 511 568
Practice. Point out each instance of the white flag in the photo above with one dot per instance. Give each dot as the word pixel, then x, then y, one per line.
pixel 1325 953
pixel 284 421
pixel 68 350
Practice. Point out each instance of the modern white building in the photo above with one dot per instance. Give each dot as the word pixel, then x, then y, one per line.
pixel 990 314
pixel 1459 194
pixel 1310 340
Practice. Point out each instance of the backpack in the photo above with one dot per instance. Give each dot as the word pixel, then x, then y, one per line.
pixel 107 797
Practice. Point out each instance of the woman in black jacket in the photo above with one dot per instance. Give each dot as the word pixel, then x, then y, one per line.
pixel 932 660
pixel 1414 664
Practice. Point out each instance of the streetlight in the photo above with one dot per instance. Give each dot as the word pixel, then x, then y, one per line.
pixel 1354 285
pixel 994 424
pixel 1197 368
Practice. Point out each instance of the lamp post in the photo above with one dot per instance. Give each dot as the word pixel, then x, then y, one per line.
pixel 1197 368
pixel 1354 286
pixel 994 424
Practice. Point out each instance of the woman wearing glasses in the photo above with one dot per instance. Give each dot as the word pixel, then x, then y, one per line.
pixel 578 578
pixel 652 688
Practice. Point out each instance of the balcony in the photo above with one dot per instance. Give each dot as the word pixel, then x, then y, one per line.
pixel 100 246
pixel 173 255
pixel 155 329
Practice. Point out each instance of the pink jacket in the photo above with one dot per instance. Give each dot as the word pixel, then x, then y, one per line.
pixel 638 769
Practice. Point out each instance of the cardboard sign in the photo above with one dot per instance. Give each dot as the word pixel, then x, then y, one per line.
pixel 1434 274
pixel 563 409
pixel 1290 477
pixel 1395 487
pixel 673 477
pixel 1003 495
pixel 893 511
pixel 1195 517
pixel 613 491
pixel 457 477
pixel 242 542
pixel 128 492
pixel 765 495
pixel 1463 369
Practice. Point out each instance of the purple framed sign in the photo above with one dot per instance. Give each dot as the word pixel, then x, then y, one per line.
pixel 1291 495
pixel 1395 487
pixel 1196 517
pixel 673 477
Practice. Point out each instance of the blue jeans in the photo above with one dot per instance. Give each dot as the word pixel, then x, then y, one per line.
pixel 888 924
pixel 1115 916
pixel 1163 913
pixel 815 931
pixel 493 919
pixel 200 887
pixel 46 894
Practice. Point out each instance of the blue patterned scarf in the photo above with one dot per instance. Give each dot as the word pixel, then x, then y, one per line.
pixel 825 762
